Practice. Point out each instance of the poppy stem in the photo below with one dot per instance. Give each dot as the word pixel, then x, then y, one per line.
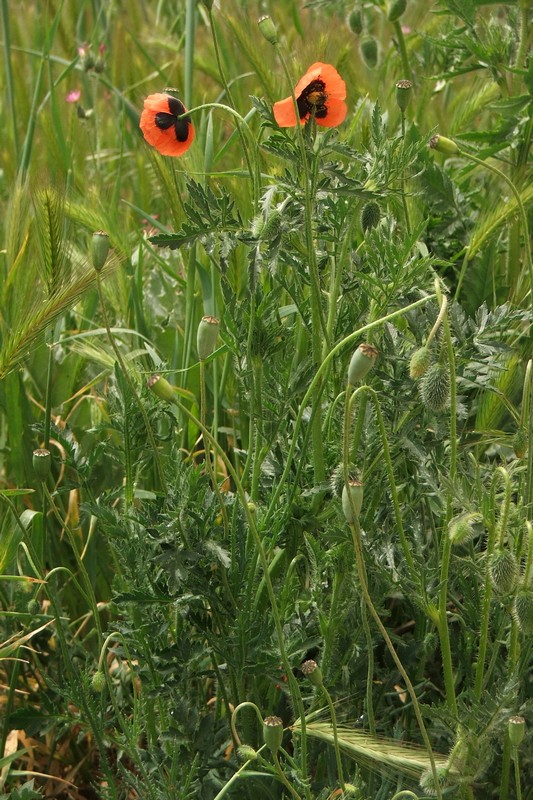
pixel 402 186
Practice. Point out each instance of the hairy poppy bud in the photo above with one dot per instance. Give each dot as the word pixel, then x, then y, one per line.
pixel 42 463
pixel 403 94
pixel 207 335
pixel 312 672
pixel 464 527
pixel 503 571
pixel 33 607
pixel 98 681
pixel 419 363
pixel 516 727
pixel 355 21
pixel 273 733
pixel 352 500
pixel 520 443
pixel 396 9
pixel 368 47
pixel 435 387
pixel 246 753
pixel 268 29
pixel 99 249
pixel 161 388
pixel 443 145
pixel 427 781
pixel 370 214
pixel 522 611
pixel 361 363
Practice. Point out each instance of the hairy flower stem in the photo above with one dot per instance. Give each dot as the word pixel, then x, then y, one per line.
pixel 406 67
pixel 402 186
pixel 283 778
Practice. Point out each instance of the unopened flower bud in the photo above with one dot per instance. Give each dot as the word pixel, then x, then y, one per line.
pixel 435 387
pixel 520 442
pixel 464 527
pixel 246 753
pixel 207 336
pixel 522 611
pixel 42 463
pixel 268 29
pixel 503 569
pixel 368 47
pixel 98 681
pixel 99 249
pixel 162 388
pixel 361 363
pixel 370 214
pixel 443 145
pixel 419 362
pixel 396 9
pixel 273 733
pixel 355 21
pixel 403 93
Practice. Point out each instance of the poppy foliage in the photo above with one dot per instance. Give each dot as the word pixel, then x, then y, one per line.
pixel 319 94
pixel 164 126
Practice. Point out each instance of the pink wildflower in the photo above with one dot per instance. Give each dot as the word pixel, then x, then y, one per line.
pixel 73 96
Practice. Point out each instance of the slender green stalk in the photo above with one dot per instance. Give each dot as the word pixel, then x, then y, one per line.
pixel 406 66
pixel 283 778
pixel 190 35
pixel 369 670
pixel 402 185
pixel 518 783
pixel 10 87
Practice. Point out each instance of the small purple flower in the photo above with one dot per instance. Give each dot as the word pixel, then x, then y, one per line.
pixel 73 96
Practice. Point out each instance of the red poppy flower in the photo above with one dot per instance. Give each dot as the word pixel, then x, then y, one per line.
pixel 320 93
pixel 163 125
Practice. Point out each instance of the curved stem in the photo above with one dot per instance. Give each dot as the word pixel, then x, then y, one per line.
pixel 281 775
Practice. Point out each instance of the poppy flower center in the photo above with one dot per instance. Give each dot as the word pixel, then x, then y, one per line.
pixel 164 120
pixel 313 100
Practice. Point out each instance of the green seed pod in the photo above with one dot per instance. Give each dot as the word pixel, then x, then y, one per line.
pixel 370 215
pixel 520 442
pixel 420 362
pixel 464 527
pixel 435 387
pixel 368 47
pixel 396 9
pixel 246 753
pixel 361 363
pixel 42 463
pixel 162 388
pixel 352 500
pixel 427 781
pixel 268 29
pixel 403 94
pixel 516 727
pixel 355 21
pixel 98 681
pixel 273 733
pixel 443 145
pixel 33 607
pixel 99 249
pixel 312 672
pixel 503 571
pixel 206 337
pixel 522 611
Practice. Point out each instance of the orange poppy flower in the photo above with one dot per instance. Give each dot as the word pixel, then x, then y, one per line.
pixel 320 93
pixel 163 125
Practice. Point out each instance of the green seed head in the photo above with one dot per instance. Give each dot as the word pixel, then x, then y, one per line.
pixel 42 463
pixel 370 215
pixel 522 611
pixel 352 500
pixel 403 94
pixel 361 363
pixel 268 29
pixel 207 335
pixel 435 388
pixel 312 672
pixel 162 388
pixel 520 442
pixel 99 249
pixel 368 48
pixel 443 145
pixel 98 681
pixel 419 363
pixel 396 9
pixel 355 21
pixel 503 571
pixel 516 727
pixel 273 733
pixel 464 527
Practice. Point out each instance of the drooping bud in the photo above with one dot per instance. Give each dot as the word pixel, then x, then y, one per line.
pixel 370 215
pixel 443 145
pixel 352 500
pixel 42 463
pixel 520 443
pixel 268 29
pixel 246 753
pixel 368 48
pixel 312 672
pixel 427 780
pixel 273 733
pixel 503 571
pixel 396 9
pixel 522 611
pixel 419 362
pixel 33 607
pixel 435 387
pixel 361 363
pixel 516 727
pixel 207 336
pixel 403 94
pixel 355 21
pixel 464 527
pixel 99 249
pixel 162 388
pixel 98 681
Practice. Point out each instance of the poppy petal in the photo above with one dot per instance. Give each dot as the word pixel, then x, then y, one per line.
pixel 284 113
pixel 162 126
pixel 337 110
pixel 330 112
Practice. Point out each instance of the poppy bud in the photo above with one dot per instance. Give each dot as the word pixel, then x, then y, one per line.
pixel 352 500
pixel 312 672
pixel 42 463
pixel 427 781
pixel 516 727
pixel 435 388
pixel 396 9
pixel 361 363
pixel 464 527
pixel 520 443
pixel 98 681
pixel 161 388
pixel 503 571
pixel 443 145
pixel 206 337
pixel 33 607
pixel 419 363
pixel 246 753
pixel 370 214
pixel 368 47
pixel 355 21
pixel 403 94
pixel 99 249
pixel 273 733
pixel 522 611
pixel 268 29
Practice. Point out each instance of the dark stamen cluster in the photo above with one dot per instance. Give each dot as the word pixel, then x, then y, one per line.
pixel 313 100
pixel 165 121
